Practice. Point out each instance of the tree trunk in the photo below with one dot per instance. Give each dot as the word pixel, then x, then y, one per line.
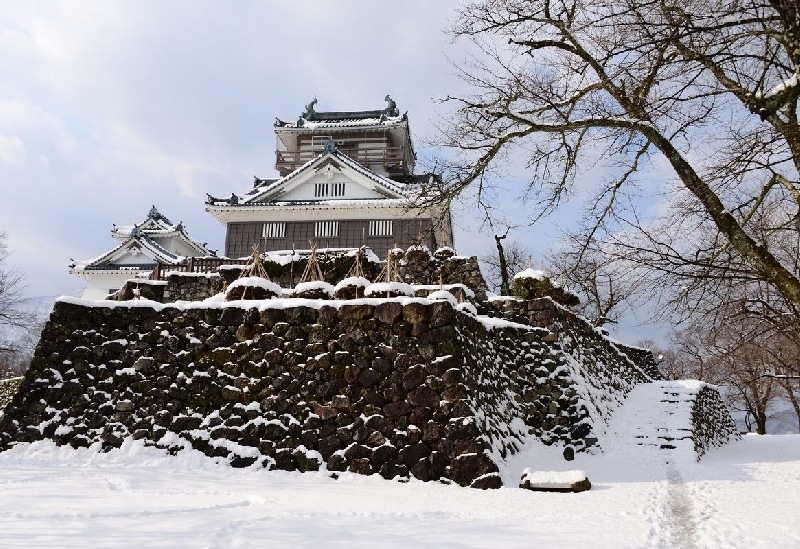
pixel 501 257
pixel 793 399
pixel 761 422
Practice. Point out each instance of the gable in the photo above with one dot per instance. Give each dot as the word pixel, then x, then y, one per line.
pixel 134 254
pixel 330 183
pixel 309 183
pixel 136 251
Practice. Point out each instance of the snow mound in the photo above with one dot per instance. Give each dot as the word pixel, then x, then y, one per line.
pixel 443 295
pixel 393 289
pixel 565 478
pixel 314 286
pixel 535 274
pixel 358 281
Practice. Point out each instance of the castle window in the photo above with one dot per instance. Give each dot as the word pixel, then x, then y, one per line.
pixel 323 190
pixel 273 230
pixel 381 227
pixel 326 228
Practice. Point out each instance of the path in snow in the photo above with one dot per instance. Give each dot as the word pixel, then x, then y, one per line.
pixel 743 495
pixel 653 425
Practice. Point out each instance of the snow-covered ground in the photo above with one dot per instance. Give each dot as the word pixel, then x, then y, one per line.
pixel 742 495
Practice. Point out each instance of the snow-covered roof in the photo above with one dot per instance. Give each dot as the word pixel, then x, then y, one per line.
pixel 270 190
pixel 157 226
pixel 136 244
pixel 311 119
pixel 147 240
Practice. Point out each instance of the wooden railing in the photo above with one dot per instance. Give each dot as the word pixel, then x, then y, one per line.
pixel 387 156
pixel 194 265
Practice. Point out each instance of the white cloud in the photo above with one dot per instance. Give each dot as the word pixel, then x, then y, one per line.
pixel 12 150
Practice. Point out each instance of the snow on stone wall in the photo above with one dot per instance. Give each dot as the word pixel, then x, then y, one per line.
pixel 712 424
pixel 398 387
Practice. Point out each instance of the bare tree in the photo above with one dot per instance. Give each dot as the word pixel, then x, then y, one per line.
pixel 509 258
pixel 16 325
pixel 710 87
pixel 608 285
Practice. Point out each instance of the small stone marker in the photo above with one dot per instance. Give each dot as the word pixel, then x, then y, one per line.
pixel 555 481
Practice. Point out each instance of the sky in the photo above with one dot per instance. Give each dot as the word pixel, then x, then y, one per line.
pixel 109 108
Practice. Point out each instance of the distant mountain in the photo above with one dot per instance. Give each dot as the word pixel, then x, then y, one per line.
pixel 40 307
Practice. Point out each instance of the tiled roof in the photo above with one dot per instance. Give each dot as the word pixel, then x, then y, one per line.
pixel 106 261
pixel 158 225
pixel 260 192
pixel 344 119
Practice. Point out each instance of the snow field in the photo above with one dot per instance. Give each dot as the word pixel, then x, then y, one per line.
pixel 743 495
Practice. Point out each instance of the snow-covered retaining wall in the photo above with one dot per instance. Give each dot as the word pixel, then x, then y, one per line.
pixel 712 424
pixel 398 387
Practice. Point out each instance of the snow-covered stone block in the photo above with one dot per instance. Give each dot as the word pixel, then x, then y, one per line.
pixel 555 481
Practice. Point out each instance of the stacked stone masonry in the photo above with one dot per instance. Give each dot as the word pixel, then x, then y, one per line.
pixel 399 388
pixel 712 424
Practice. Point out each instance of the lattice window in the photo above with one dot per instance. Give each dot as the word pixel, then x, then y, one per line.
pixel 273 230
pixel 326 229
pixel 323 190
pixel 381 227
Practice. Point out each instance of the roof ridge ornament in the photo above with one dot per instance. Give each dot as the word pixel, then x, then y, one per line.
pixel 136 231
pixel 153 213
pixel 391 106
pixel 310 109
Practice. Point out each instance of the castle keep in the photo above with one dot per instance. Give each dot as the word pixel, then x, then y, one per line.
pixel 346 180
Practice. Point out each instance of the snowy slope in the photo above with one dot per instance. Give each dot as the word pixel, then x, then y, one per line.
pixel 740 496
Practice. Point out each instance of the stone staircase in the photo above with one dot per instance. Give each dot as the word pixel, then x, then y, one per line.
pixel 655 416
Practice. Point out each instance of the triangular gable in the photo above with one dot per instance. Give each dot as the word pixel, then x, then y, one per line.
pixel 331 164
pixel 158 228
pixel 130 252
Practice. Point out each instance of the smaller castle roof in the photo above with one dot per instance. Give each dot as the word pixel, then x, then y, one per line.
pixel 157 226
pixel 143 239
pixel 136 244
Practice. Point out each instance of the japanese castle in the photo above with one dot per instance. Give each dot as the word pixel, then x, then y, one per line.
pixel 346 180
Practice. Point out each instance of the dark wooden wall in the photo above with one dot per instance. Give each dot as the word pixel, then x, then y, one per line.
pixel 240 237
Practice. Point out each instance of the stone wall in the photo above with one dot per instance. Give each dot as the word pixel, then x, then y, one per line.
pixel 712 424
pixel 603 370
pixel 398 387
pixel 191 287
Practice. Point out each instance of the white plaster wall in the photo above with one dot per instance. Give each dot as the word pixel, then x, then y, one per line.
pixel 352 190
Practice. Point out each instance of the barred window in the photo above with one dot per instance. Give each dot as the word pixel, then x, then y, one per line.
pixel 273 230
pixel 321 190
pixel 326 228
pixel 381 227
